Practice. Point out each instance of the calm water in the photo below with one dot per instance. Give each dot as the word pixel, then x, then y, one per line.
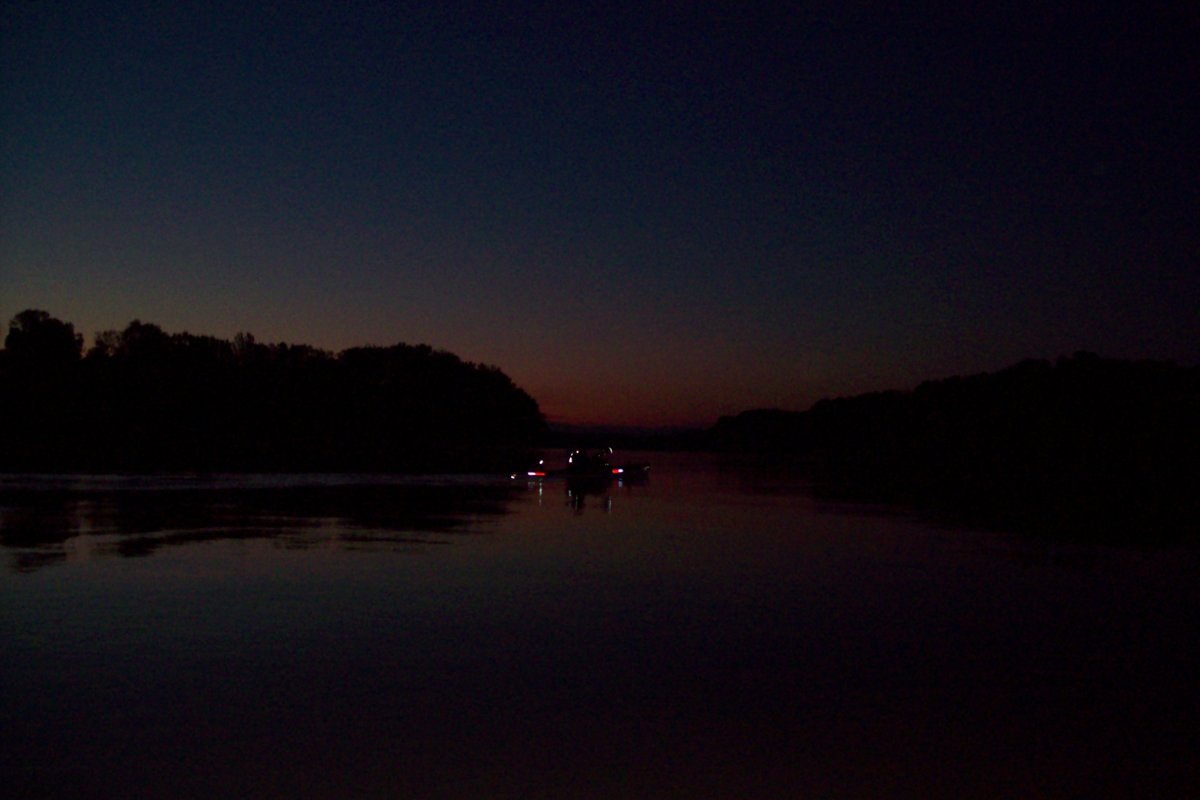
pixel 713 633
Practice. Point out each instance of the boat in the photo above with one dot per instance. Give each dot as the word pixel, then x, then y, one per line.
pixel 585 465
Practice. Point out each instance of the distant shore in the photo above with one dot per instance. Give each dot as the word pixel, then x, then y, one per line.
pixel 1085 446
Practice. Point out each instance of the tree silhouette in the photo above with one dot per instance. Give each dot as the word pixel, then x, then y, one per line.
pixel 1086 443
pixel 143 399
pixel 36 338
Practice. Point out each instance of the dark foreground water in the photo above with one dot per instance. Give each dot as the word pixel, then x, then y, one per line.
pixel 713 633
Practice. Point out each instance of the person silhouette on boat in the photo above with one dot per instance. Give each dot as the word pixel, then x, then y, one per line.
pixel 582 462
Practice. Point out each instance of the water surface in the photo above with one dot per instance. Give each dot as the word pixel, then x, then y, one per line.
pixel 714 632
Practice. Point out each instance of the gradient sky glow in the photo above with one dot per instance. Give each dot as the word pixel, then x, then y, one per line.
pixel 643 215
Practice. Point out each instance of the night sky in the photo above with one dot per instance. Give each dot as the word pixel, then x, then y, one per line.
pixel 645 215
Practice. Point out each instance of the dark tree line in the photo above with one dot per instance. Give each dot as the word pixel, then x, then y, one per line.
pixel 1098 445
pixel 141 399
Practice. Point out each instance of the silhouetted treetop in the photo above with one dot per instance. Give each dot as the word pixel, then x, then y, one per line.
pixel 36 337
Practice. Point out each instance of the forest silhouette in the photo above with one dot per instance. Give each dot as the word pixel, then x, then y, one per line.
pixel 141 399
pixel 1095 447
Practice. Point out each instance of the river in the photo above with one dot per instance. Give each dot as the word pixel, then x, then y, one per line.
pixel 715 631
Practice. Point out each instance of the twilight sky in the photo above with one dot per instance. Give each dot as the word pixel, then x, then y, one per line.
pixel 644 214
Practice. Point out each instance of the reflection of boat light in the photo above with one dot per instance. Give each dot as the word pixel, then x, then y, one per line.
pixel 579 489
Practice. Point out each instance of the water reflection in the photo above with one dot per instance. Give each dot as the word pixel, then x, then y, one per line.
pixel 583 493
pixel 40 519
pixel 726 636
pixel 580 489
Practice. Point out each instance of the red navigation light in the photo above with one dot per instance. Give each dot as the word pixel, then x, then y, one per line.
pixel 537 474
pixel 617 470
